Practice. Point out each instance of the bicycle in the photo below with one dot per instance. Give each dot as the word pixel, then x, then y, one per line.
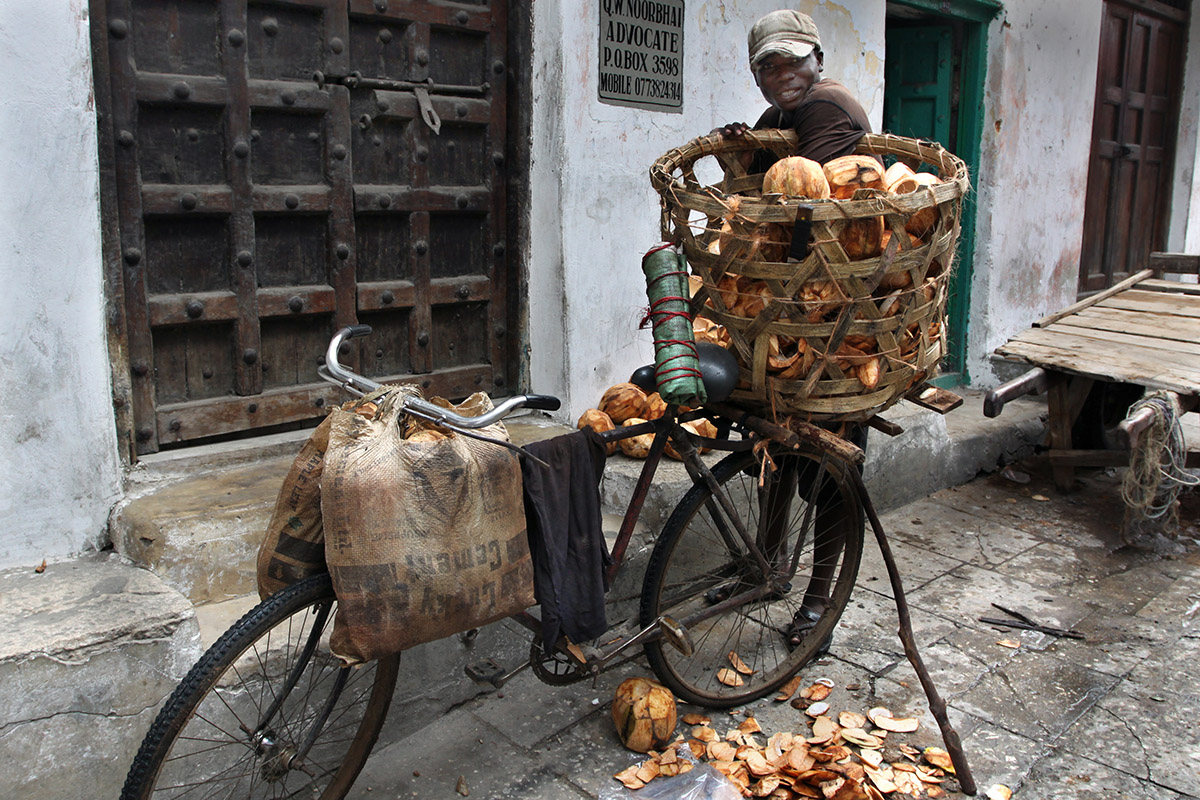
pixel 770 534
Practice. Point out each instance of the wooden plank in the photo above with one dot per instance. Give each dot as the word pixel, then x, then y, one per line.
pixel 1165 299
pixel 1184 264
pixel 123 79
pixel 244 278
pixel 504 377
pixel 288 301
pixel 1155 303
pixel 1115 319
pixel 1121 355
pixel 421 320
pixel 1098 367
pixel 183 421
pixel 341 262
pixel 292 199
pixel 1096 298
pixel 150 87
pixel 1155 285
pixel 378 295
pixel 1090 458
pixel 401 294
pixel 1162 348
pixel 179 422
pixel 418 198
pixel 114 291
pixel 173 309
pixel 177 309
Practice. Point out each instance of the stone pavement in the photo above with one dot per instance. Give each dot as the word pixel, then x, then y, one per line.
pixel 1111 716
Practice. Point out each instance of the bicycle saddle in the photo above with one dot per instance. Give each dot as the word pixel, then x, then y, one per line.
pixel 718 366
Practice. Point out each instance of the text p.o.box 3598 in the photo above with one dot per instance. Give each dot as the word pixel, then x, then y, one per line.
pixel 641 53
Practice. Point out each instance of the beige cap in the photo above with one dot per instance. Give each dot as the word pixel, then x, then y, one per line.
pixel 786 32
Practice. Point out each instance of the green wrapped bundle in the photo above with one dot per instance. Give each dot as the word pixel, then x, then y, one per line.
pixel 676 365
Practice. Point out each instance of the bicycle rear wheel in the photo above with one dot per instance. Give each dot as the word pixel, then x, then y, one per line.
pixel 808 524
pixel 268 711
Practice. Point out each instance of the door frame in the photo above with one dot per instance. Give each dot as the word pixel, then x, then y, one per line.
pixel 517 82
pixel 975 16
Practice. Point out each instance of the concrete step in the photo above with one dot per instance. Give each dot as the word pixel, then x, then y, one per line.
pixel 200 528
pixel 201 534
pixel 88 650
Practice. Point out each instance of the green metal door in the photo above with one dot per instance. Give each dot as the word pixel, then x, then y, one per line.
pixel 918 79
pixel 919 102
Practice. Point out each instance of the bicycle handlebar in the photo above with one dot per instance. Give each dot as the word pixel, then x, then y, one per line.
pixel 335 373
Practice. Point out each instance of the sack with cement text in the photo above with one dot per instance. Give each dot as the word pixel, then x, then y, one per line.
pixel 294 547
pixel 424 529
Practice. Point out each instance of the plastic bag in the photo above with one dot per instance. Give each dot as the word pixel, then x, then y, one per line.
pixel 700 783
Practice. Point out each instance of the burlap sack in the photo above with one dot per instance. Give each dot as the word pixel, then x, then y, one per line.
pixel 294 547
pixel 424 537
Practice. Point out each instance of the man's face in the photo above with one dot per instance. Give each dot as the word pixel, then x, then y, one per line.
pixel 784 80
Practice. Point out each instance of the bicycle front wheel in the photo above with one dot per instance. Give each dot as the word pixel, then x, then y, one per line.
pixel 268 711
pixel 807 525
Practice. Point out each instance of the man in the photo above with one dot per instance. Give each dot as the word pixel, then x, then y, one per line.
pixel 787 61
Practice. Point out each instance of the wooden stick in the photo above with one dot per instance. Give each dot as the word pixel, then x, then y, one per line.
pixel 791 436
pixel 1096 298
pixel 937 706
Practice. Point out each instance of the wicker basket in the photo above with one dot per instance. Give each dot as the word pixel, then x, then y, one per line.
pixel 826 338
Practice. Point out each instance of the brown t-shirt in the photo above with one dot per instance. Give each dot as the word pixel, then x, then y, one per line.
pixel 829 123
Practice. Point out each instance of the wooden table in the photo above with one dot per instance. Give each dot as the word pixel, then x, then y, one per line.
pixel 1145 330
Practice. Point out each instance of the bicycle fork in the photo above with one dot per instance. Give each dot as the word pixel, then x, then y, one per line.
pixel 279 758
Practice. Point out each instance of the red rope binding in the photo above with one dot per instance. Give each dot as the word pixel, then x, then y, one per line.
pixel 657 316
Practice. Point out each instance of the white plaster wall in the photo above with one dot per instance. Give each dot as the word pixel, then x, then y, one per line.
pixel 593 211
pixel 61 471
pixel 1184 234
pixel 1032 180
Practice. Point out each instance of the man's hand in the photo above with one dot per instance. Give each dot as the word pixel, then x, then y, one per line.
pixel 731 130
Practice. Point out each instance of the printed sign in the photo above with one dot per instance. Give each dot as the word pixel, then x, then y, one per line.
pixel 641 53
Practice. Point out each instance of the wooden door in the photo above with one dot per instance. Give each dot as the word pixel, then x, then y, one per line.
pixel 1133 138
pixel 282 168
pixel 918 74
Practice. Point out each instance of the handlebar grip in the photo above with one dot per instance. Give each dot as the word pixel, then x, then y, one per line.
pixel 354 331
pixel 543 402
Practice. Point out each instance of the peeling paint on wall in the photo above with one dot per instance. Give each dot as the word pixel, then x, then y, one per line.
pixel 1032 180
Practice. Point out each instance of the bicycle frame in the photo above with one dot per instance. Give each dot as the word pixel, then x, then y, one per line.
pixel 666 429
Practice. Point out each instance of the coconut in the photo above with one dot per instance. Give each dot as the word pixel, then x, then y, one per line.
pixel 848 174
pixel 644 714
pixel 796 176
pixel 622 401
pixel 636 446
pixel 600 422
pixel 654 407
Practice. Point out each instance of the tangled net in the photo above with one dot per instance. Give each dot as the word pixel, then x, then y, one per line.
pixel 1156 467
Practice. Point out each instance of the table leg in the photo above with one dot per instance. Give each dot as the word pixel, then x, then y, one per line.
pixel 1066 396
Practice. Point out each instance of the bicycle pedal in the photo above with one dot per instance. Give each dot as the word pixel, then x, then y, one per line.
pixel 486 671
pixel 676 635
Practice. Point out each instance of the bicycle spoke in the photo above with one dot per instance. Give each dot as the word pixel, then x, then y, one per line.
pixel 235 727
pixel 799 527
